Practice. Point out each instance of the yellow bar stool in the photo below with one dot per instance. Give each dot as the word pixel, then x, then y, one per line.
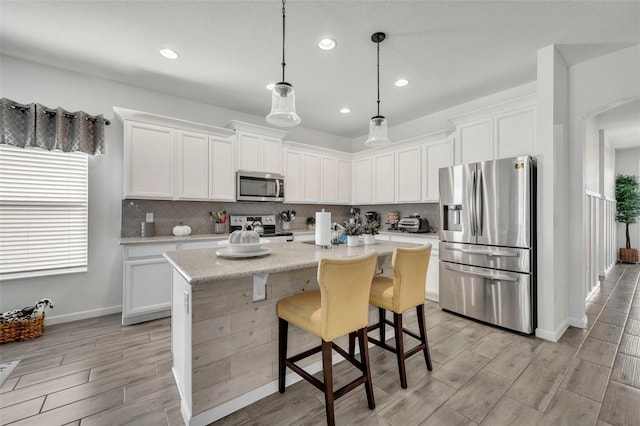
pixel 399 294
pixel 340 307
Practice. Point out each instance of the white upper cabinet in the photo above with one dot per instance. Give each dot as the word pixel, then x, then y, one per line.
pixel 408 179
pixel 316 175
pixel 312 178
pixel 344 181
pixel 502 131
pixel 474 142
pixel 192 155
pixel 222 170
pixel 436 155
pixel 171 159
pixel 362 181
pixel 259 148
pixel 384 178
pixel 515 133
pixel 148 161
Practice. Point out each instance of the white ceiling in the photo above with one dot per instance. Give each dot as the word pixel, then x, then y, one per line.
pixel 622 125
pixel 451 51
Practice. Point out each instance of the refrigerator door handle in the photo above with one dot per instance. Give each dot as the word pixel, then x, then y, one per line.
pixel 473 204
pixel 484 252
pixel 479 207
pixel 483 275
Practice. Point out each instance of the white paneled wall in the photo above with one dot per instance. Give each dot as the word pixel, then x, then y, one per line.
pixel 608 254
pixel 592 216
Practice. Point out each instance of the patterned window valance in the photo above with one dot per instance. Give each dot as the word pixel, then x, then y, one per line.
pixel 36 126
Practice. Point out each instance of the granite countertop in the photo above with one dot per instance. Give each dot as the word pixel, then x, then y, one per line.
pixel 410 234
pixel 185 239
pixel 200 266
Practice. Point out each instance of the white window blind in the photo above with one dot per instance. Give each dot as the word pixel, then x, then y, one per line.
pixel 43 212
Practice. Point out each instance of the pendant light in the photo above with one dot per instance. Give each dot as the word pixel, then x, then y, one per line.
pixel 283 96
pixel 377 124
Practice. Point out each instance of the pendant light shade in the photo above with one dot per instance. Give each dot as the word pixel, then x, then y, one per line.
pixel 283 96
pixel 378 123
pixel 283 106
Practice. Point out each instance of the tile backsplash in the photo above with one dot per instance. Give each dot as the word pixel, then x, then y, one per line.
pixel 168 214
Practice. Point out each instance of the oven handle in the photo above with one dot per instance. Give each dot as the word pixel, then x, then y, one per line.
pixel 484 252
pixel 483 275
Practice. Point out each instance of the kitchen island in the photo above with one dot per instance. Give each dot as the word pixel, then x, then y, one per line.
pixel 224 326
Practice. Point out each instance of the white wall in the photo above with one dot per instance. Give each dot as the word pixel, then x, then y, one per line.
pixel 594 86
pixel 551 152
pixel 99 291
pixel 628 163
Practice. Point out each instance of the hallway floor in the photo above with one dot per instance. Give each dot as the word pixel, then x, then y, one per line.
pixel 96 372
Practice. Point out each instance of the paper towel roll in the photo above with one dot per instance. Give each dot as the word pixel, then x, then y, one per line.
pixel 323 228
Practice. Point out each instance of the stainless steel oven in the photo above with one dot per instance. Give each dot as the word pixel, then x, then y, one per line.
pixel 253 186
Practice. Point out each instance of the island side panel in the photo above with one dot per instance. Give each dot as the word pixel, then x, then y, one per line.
pixel 235 340
pixel 181 338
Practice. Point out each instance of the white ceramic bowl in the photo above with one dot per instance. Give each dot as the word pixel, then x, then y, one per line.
pixel 244 248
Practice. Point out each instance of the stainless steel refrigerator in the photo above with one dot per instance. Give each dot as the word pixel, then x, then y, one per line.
pixel 487 241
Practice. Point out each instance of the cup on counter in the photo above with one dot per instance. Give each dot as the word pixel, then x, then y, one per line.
pixel 218 228
pixel 147 229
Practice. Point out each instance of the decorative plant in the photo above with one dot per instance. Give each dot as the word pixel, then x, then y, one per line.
pixel 371 228
pixel 352 229
pixel 627 202
pixel 288 215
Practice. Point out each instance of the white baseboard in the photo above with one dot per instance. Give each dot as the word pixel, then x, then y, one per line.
pixel 433 295
pixel 578 323
pixel 58 319
pixel 553 335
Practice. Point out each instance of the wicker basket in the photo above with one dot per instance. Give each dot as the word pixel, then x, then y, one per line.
pixel 628 255
pixel 22 330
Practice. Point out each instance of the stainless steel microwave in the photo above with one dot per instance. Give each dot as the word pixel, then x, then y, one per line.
pixel 254 186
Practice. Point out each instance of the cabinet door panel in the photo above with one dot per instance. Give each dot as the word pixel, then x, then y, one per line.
pixel 437 156
pixel 312 178
pixel 193 166
pixel 271 155
pixel 148 161
pixel 294 177
pixel 344 181
pixel 515 134
pixel 249 152
pixel 329 180
pixel 475 142
pixel 409 175
pixel 147 287
pixel 362 181
pixel 384 178
pixel 222 181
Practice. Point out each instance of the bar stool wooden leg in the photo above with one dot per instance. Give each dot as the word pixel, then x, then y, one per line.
pixel 328 382
pixel 352 343
pixel 397 322
pixel 283 328
pixel 383 324
pixel 366 369
pixel 423 336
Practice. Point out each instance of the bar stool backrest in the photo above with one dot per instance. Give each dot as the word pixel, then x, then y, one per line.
pixel 344 291
pixel 409 276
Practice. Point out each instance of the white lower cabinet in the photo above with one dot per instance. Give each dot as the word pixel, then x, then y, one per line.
pixel 146 291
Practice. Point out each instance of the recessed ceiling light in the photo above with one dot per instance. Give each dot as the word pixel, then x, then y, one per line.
pixel 169 54
pixel 327 44
pixel 270 86
pixel 402 82
pixel 345 110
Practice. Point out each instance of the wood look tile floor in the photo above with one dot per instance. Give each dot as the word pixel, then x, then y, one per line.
pixel 96 372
